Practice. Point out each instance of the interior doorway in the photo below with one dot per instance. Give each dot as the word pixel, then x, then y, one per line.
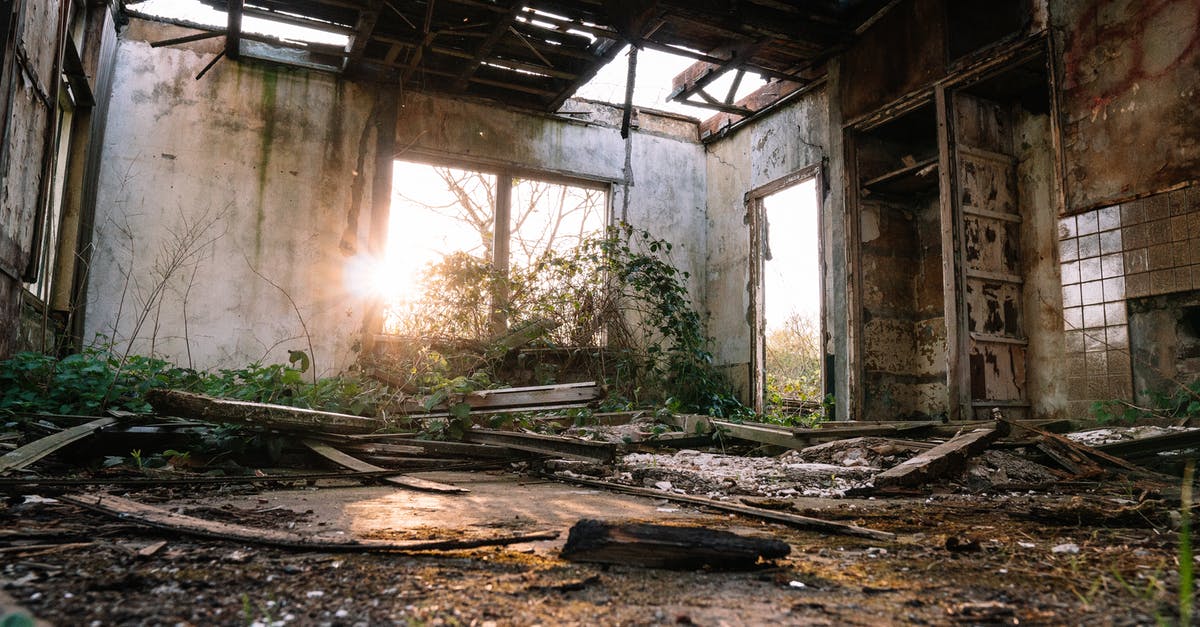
pixel 790 355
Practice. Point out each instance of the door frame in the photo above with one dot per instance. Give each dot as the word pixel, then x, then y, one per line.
pixel 754 220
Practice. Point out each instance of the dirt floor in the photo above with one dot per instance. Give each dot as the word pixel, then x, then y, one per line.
pixel 1099 553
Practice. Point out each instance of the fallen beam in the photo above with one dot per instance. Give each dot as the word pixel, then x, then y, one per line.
pixel 532 397
pixel 281 417
pixel 794 520
pixel 357 465
pixel 1076 446
pixel 662 546
pixel 939 460
pixel 132 511
pixel 32 452
pixel 601 452
pixel 1149 447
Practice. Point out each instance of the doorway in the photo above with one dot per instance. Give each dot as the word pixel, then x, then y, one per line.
pixel 789 347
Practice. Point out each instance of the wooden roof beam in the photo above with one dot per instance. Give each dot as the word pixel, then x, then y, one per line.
pixel 701 74
pixel 233 30
pixel 368 17
pixel 500 28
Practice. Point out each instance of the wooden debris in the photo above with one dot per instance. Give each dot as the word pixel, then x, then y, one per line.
pixel 150 549
pixel 352 463
pixel 552 445
pixel 38 449
pixel 1145 448
pixel 661 546
pixel 526 398
pixel 132 511
pixel 1076 446
pixel 281 417
pixel 802 522
pixel 1070 459
pixel 939 460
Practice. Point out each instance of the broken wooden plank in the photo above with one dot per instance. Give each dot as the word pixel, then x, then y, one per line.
pixel 348 461
pixel 1072 461
pixel 1082 448
pixel 32 452
pixel 132 511
pixel 1149 447
pixel 532 397
pixel 555 445
pixel 281 417
pixel 662 546
pixel 794 520
pixel 939 460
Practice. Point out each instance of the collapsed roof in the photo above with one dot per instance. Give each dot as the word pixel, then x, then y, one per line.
pixel 535 54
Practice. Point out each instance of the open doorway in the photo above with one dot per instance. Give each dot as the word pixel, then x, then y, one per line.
pixel 789 347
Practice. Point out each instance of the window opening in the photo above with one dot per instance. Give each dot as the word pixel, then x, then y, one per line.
pixel 790 300
pixel 463 245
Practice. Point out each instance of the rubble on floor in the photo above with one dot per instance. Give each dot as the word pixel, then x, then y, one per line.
pixel 791 484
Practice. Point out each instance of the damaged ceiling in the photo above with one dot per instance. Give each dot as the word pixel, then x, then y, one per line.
pixel 536 54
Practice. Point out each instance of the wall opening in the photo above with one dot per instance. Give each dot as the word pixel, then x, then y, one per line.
pixel 454 230
pixel 789 353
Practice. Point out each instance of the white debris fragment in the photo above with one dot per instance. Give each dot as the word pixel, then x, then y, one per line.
pixel 1070 548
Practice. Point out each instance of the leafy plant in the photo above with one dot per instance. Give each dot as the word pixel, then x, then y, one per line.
pixel 1183 404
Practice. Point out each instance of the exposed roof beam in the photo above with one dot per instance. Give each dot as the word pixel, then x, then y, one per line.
pixel 368 16
pixel 702 74
pixel 500 28
pixel 708 58
pixel 233 30
pixel 708 102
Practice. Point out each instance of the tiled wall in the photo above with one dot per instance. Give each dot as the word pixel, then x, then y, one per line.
pixel 1145 247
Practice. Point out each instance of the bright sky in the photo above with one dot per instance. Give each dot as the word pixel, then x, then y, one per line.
pixel 792 277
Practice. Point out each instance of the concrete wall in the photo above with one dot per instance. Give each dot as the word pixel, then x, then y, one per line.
pixel 251 171
pixel 769 148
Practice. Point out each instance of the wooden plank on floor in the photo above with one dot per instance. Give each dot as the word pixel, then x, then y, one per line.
pixel 939 460
pixel 32 452
pixel 601 452
pixel 282 417
pixel 358 465
pixel 794 520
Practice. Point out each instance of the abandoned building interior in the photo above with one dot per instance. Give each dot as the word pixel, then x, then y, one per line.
pixel 988 210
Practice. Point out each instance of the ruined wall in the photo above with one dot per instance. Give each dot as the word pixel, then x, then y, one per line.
pixel 1130 85
pixel 25 102
pixel 787 140
pixel 252 170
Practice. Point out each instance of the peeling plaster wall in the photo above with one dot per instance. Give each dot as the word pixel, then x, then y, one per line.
pixel 252 165
pixel 769 148
pixel 261 161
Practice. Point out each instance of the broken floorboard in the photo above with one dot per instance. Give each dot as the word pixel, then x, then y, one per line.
pixel 32 452
pixel 348 461
pixel 939 460
pixel 132 511
pixel 281 417
pixel 662 546
pixel 600 452
pixel 1147 448
pixel 523 398
pixel 794 520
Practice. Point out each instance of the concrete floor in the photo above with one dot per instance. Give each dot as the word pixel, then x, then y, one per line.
pixel 498 504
